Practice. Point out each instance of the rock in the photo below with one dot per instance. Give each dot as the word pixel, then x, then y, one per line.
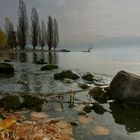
pixel 7 60
pixel 126 87
pixel 88 76
pixel 6 68
pixel 74 123
pixel 12 102
pixel 32 101
pixel 82 113
pixel 87 108
pixel 99 109
pixel 99 94
pixel 66 74
pixel 83 86
pixel 49 67
pixel 64 50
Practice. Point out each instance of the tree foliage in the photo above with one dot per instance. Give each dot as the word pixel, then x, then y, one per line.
pixel 34 27
pixel 11 34
pixel 3 39
pixel 42 35
pixel 56 34
pixel 22 28
pixel 50 35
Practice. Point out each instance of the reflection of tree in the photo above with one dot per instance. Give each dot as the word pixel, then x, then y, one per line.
pixel 13 56
pixel 35 57
pixel 23 57
pixel 24 80
pixel 126 115
pixel 52 57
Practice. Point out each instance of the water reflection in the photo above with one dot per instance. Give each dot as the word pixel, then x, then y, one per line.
pixel 35 57
pixel 126 115
pixel 23 57
pixel 52 57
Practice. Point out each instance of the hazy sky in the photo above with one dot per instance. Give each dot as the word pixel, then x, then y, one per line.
pixel 86 20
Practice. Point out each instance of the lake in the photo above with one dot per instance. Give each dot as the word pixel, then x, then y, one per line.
pixel 122 123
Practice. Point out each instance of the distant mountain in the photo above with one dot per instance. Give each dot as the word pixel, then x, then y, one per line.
pixel 122 41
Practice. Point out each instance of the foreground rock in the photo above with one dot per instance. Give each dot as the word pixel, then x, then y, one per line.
pixel 49 67
pixel 126 87
pixel 100 94
pixel 66 74
pixel 12 102
pixel 6 68
pixel 17 102
pixel 88 76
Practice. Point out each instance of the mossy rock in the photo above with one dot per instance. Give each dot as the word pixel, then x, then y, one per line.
pixel 49 67
pixel 6 68
pixel 32 101
pixel 88 76
pixel 66 74
pixel 99 94
pixel 12 102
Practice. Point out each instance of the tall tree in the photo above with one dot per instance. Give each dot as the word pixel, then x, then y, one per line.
pixel 56 34
pixel 42 35
pixel 50 34
pixel 2 39
pixel 11 34
pixel 22 28
pixel 34 28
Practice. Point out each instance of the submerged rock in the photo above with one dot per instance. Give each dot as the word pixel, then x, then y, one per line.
pixel 6 68
pixel 49 67
pixel 12 102
pixel 41 61
pixel 126 87
pixel 99 94
pixel 66 74
pixel 88 76
pixel 32 101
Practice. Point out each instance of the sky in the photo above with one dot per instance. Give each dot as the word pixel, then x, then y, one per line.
pixel 83 20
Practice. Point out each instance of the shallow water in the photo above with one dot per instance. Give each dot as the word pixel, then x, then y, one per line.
pixel 122 122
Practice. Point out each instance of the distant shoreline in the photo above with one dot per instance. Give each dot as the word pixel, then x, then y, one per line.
pixel 31 50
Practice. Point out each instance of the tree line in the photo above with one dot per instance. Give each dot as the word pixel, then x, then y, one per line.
pixel 38 33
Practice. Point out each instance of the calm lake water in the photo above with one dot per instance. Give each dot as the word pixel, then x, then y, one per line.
pixel 123 124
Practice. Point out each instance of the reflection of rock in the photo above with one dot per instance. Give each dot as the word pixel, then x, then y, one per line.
pixel 126 115
pixel 126 87
pixel 49 67
pixel 99 94
pixel 99 109
pixel 6 68
pixel 88 76
pixel 66 74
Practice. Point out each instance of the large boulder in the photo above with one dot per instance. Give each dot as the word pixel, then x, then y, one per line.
pixel 126 87
pixel 88 76
pixel 6 68
pixel 12 102
pixel 49 67
pixel 66 74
